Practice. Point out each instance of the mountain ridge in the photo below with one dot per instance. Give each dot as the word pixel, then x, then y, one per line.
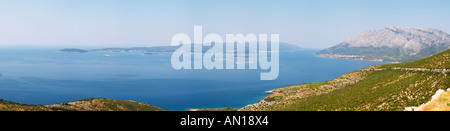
pixel 391 44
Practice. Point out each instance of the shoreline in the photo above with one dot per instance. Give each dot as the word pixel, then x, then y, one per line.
pixel 214 109
pixel 354 57
pixel 268 93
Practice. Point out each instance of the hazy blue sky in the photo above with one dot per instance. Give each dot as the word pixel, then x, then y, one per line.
pixel 126 23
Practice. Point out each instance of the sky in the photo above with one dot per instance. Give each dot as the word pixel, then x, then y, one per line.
pixel 313 24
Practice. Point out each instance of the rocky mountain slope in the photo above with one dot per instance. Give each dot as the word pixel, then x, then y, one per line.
pixel 94 104
pixel 440 103
pixel 392 44
pixel 380 87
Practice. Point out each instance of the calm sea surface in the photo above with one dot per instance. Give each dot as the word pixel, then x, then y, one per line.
pixel 44 76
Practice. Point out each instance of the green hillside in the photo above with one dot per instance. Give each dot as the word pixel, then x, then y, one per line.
pixel 382 87
pixel 94 104
pixel 437 61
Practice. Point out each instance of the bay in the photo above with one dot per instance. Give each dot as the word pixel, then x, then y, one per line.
pixel 44 76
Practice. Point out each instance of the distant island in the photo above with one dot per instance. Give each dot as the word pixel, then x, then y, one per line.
pixel 149 54
pixel 391 44
pixel 160 49
pixel 164 49
pixel 72 50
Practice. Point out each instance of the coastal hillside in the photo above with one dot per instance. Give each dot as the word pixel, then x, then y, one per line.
pixel 380 87
pixel 391 44
pixel 94 104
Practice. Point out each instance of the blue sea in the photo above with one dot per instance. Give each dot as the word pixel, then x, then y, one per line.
pixel 44 76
